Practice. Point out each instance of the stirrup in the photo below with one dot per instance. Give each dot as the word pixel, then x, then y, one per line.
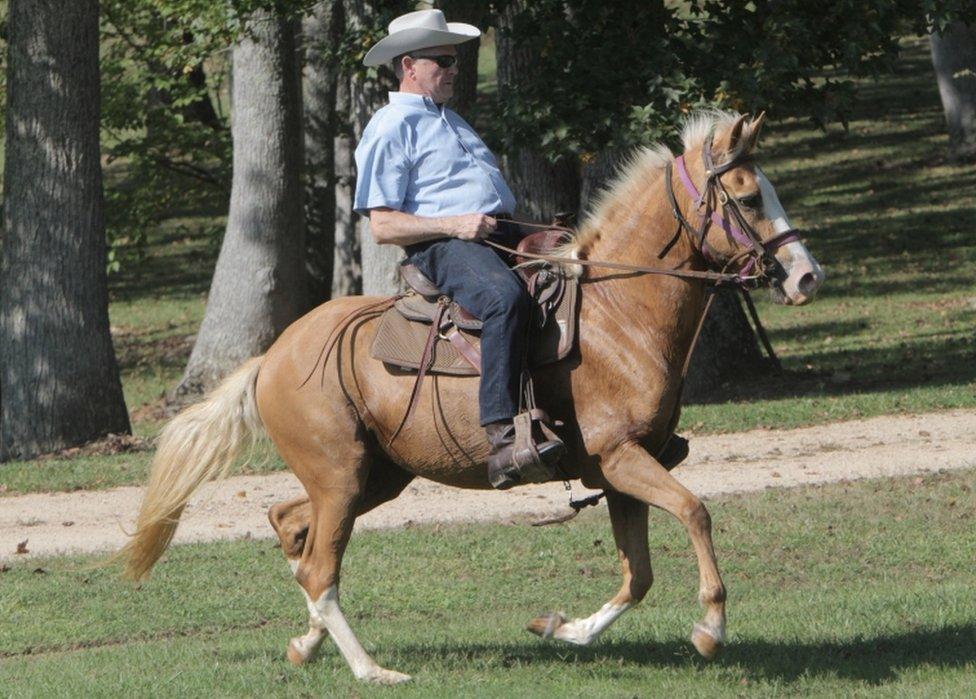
pixel 527 459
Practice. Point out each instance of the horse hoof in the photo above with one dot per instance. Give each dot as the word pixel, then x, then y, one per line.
pixel 297 655
pixel 705 642
pixel 546 625
pixel 387 677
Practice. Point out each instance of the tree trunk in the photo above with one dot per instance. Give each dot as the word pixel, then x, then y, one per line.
pixel 464 101
pixel 595 174
pixel 380 263
pixel 954 59
pixel 542 189
pixel 347 268
pixel 727 350
pixel 60 380
pixel 322 31
pixel 259 285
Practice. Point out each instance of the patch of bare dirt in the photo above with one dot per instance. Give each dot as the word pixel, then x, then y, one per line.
pixel 106 446
pixel 89 521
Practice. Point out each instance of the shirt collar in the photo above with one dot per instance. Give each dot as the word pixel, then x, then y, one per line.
pixel 414 100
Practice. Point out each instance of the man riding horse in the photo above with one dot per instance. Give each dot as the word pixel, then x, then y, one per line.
pixel 428 183
pixel 676 223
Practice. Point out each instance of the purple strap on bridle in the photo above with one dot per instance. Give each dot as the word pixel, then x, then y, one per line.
pixel 740 237
pixel 731 229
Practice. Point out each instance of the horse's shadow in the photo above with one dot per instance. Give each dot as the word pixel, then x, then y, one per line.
pixel 875 660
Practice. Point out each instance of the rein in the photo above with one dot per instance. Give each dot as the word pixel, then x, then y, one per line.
pixel 716 277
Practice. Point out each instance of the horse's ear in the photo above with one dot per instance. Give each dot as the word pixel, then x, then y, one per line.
pixel 730 141
pixel 754 128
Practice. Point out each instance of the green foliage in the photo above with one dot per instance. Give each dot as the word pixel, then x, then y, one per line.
pixel 360 34
pixel 165 69
pixel 602 75
pixel 162 64
pixel 607 75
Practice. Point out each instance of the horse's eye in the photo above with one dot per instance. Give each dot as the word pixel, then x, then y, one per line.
pixel 751 201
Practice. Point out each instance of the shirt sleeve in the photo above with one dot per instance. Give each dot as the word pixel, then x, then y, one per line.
pixel 383 170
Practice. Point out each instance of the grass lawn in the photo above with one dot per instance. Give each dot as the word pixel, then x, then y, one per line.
pixel 843 590
pixel 894 329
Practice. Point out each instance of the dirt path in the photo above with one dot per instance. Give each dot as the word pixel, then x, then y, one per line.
pixel 748 461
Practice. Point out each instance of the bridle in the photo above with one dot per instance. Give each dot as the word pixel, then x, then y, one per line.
pixel 755 264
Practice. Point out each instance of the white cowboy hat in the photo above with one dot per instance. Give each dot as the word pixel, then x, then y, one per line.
pixel 419 30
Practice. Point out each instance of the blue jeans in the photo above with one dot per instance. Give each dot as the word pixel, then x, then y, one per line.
pixel 476 277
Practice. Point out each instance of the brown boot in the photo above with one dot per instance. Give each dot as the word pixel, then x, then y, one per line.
pixel 509 466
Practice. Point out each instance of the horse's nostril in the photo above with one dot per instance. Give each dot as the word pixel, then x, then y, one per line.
pixel 808 284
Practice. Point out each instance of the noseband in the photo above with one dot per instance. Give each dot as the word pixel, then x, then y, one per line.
pixel 756 268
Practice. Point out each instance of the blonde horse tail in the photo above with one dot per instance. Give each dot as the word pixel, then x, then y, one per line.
pixel 198 445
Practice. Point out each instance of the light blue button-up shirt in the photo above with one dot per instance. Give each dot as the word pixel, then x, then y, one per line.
pixel 425 160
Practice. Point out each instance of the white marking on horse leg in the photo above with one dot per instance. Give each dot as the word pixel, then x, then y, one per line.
pixel 302 649
pixel 714 622
pixel 708 635
pixel 583 631
pixel 324 613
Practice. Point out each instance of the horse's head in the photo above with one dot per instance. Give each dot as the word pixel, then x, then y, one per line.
pixel 748 230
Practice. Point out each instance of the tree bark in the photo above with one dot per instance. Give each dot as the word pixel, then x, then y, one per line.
pixel 542 189
pixel 596 173
pixel 321 32
pixel 59 377
pixel 347 268
pixel 954 59
pixel 259 286
pixel 380 263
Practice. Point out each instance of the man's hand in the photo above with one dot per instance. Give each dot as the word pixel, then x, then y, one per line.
pixel 472 226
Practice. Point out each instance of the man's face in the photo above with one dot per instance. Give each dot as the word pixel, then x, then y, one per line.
pixel 428 77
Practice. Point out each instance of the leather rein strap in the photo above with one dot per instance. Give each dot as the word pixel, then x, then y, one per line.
pixel 716 277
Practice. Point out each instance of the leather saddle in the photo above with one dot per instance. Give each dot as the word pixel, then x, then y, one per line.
pixel 425 327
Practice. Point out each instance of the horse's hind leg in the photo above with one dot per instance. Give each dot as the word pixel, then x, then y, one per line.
pixel 629 520
pixel 334 495
pixel 291 519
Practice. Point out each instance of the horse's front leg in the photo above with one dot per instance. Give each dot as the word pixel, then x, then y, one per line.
pixel 629 520
pixel 631 470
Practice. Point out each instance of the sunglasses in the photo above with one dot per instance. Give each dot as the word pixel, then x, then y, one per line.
pixel 443 61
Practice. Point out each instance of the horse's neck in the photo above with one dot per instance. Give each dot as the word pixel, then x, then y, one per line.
pixel 658 313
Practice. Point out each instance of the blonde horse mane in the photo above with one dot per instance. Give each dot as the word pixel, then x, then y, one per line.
pixel 633 179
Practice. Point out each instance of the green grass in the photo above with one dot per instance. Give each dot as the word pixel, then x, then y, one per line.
pixel 843 590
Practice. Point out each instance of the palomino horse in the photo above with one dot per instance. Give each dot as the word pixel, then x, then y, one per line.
pixel 618 399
